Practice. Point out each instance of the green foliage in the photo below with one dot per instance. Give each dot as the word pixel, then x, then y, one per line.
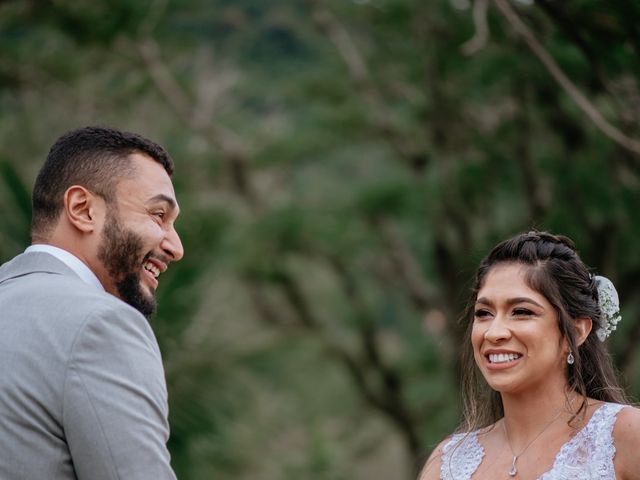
pixel 342 166
pixel 15 201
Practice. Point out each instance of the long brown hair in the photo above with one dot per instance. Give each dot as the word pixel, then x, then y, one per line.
pixel 556 271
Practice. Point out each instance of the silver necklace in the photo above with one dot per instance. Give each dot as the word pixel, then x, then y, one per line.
pixel 514 469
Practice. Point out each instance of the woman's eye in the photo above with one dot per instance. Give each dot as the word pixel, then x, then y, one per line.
pixel 522 312
pixel 481 313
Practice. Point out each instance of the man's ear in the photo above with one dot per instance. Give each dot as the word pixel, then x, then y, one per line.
pixel 583 328
pixel 82 208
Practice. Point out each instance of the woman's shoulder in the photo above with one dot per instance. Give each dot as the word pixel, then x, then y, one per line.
pixel 626 428
pixel 432 468
pixel 622 420
pixel 628 415
pixel 627 442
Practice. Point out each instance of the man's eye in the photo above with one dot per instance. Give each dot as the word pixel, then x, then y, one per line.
pixel 159 215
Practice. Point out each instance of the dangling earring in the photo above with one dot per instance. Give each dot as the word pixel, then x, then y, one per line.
pixel 570 359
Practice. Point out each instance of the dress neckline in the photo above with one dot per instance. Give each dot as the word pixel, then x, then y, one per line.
pixel 566 446
pixel 598 414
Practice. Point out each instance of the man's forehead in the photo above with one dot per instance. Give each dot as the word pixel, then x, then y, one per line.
pixel 161 197
pixel 148 174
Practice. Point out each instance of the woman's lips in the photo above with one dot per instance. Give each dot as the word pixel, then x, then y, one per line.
pixel 502 360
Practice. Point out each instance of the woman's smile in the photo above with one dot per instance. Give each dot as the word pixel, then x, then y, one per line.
pixel 500 360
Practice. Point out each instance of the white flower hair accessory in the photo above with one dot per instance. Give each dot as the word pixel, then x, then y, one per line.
pixel 609 305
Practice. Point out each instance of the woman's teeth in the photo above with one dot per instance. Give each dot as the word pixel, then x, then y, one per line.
pixel 503 357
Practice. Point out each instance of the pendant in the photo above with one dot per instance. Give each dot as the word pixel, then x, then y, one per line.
pixel 514 471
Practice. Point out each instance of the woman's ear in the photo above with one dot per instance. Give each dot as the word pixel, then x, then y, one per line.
pixel 583 328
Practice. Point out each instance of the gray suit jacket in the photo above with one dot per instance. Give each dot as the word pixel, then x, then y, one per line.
pixel 82 388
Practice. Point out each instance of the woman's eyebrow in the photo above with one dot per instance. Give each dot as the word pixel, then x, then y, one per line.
pixel 511 301
pixel 515 300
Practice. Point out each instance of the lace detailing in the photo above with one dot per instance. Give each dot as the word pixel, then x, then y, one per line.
pixel 461 456
pixel 587 456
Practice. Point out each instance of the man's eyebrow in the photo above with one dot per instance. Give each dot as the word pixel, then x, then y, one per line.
pixel 161 197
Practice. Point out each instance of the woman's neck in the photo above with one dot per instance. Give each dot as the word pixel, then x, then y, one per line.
pixel 525 414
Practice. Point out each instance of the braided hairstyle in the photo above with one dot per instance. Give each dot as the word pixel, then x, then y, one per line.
pixel 555 271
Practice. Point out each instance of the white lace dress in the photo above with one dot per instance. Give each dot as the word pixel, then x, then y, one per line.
pixel 586 456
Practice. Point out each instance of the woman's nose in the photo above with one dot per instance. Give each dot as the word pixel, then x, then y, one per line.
pixel 498 330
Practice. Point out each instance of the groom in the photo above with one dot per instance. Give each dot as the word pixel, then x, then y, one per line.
pixel 82 388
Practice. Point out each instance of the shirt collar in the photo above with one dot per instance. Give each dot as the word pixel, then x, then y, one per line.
pixel 71 261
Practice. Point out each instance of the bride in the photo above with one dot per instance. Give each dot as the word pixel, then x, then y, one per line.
pixel 540 396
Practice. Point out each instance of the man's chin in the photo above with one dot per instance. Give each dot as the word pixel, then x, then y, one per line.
pixel 145 305
pixel 139 296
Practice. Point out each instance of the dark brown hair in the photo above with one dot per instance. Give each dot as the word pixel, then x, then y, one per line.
pixel 556 271
pixel 94 157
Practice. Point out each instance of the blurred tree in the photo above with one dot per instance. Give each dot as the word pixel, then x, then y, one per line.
pixel 342 167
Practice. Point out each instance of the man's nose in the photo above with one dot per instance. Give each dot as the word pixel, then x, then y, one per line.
pixel 172 245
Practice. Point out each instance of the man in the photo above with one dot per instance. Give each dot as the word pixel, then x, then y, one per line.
pixel 82 388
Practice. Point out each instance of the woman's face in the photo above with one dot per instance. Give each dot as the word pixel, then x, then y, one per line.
pixel 516 341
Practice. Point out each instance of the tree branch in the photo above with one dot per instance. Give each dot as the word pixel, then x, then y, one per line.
pixel 233 151
pixel 561 78
pixel 535 195
pixel 421 291
pixel 481 35
pixel 388 396
pixel 361 77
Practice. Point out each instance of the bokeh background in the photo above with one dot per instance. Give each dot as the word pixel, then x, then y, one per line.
pixel 342 166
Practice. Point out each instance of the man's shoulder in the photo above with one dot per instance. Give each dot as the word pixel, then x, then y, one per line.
pixel 41 272
pixel 38 281
pixel 33 262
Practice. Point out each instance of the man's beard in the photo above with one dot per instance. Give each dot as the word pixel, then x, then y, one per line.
pixel 120 251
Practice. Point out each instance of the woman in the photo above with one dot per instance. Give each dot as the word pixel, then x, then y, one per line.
pixel 540 396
